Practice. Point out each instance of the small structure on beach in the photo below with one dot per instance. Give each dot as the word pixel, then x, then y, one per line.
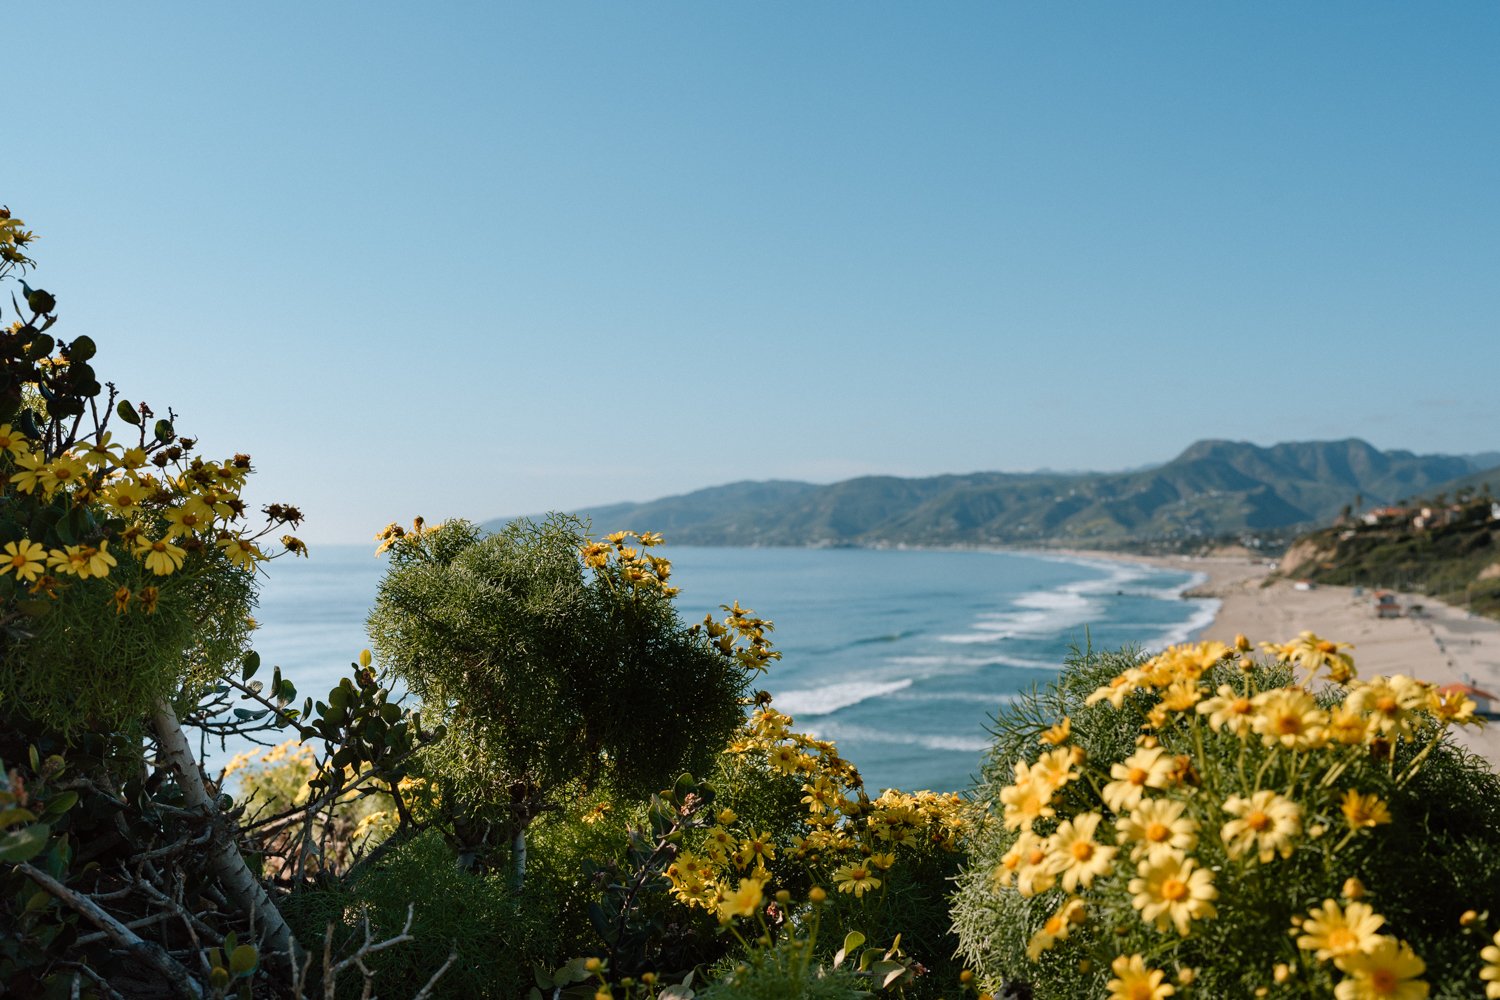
pixel 1386 605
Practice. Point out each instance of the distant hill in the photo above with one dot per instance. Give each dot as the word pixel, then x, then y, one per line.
pixel 1212 490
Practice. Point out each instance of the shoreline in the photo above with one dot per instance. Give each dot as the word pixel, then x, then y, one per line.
pixel 1445 645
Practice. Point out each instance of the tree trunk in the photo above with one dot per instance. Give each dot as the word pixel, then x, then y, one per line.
pixel 240 885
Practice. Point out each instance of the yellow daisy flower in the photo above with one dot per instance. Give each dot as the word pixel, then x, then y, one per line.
pixel 856 877
pixel 1157 826
pixel 1173 890
pixel 1388 970
pixel 1056 928
pixel 744 901
pixel 1229 711
pixel 1490 974
pixel 1266 825
pixel 1148 767
pixel 161 556
pixel 23 558
pixel 1134 981
pixel 1364 811
pixel 1289 717
pixel 1073 853
pixel 1331 931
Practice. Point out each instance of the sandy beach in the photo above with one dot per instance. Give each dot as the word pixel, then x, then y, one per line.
pixel 1443 645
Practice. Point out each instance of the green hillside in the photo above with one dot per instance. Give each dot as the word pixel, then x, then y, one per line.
pixel 1213 490
pixel 1446 546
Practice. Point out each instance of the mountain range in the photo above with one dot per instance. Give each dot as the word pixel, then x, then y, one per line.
pixel 1214 489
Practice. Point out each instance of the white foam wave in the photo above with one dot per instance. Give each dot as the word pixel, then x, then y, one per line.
pixel 1038 613
pixel 829 698
pixel 1205 610
pixel 928 741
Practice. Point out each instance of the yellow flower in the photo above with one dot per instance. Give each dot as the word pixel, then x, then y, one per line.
pixel 99 561
pixel 1157 826
pixel 1267 823
pixel 1362 811
pixel 1059 733
pixel 32 467
pixel 758 849
pixel 1133 981
pixel 69 561
pixel 1385 971
pixel 24 558
pixel 1055 928
pixel 1172 890
pixel 14 441
pixel 1026 800
pixel 1289 717
pixel 1029 849
pixel 1230 711
pixel 1451 706
pixel 744 901
pixel 1331 931
pixel 1148 767
pixel 1073 854
pixel 1312 653
pixel 161 556
pixel 125 496
pixel 121 600
pixel 855 877
pixel 241 551
pixel 1390 703
pixel 1117 689
pixel 192 518
pixel 1490 974
pixel 61 472
pixel 1347 727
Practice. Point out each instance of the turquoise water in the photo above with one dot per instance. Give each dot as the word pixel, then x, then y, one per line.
pixel 901 656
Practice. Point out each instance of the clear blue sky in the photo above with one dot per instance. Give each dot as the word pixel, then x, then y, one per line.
pixel 485 259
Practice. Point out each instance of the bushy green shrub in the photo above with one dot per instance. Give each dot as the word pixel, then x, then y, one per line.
pixel 1198 823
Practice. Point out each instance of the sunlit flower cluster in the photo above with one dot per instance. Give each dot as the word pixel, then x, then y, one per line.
pixel 157 504
pixel 1175 833
pixel 847 839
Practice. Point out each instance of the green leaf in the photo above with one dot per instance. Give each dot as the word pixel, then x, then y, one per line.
pixel 887 973
pixel 59 804
pixel 14 817
pixel 249 664
pixel 81 349
pixel 163 431
pixel 127 413
pixel 852 940
pixel 23 845
pixel 242 960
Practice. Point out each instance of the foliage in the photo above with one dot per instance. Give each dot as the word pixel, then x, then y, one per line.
pixel 1196 823
pixel 555 663
pixel 1446 559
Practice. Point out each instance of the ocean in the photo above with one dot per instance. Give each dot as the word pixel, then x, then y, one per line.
pixel 900 656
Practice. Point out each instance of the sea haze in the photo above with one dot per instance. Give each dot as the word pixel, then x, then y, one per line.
pixel 901 656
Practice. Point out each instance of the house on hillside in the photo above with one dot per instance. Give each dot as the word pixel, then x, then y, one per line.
pixel 1386 515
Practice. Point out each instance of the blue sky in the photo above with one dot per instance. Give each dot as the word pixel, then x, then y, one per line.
pixel 482 259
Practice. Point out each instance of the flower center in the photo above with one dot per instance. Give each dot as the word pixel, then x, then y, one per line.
pixel 1082 850
pixel 1158 832
pixel 1138 776
pixel 18 560
pixel 1258 821
pixel 1141 991
pixel 1384 982
pixel 1387 705
pixel 1341 939
pixel 1173 889
pixel 1289 724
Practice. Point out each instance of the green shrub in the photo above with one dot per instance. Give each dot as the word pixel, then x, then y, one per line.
pixel 1198 819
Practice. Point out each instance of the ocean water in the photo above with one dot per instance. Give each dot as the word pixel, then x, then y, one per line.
pixel 901 656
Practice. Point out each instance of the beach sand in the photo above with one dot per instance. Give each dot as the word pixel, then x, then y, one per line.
pixel 1444 645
